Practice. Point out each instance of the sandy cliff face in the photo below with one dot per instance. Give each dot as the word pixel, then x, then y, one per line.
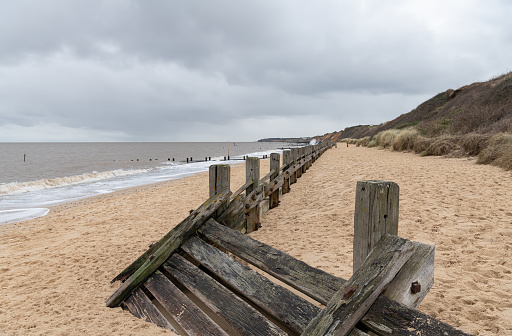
pixel 482 107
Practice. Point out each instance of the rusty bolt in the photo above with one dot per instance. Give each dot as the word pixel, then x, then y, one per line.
pixel 151 257
pixel 253 197
pixel 348 291
pixel 415 287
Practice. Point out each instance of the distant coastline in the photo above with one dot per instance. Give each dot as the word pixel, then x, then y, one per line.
pixel 294 140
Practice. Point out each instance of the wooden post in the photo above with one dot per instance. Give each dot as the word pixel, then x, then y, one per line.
pixel 293 159
pixel 275 164
pixel 287 156
pixel 376 213
pixel 252 172
pixel 299 158
pixel 220 180
pixel 303 155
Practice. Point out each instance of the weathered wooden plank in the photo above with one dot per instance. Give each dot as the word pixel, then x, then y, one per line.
pixel 234 217
pixel 220 179
pixel 278 301
pixel 141 307
pixel 179 234
pixel 419 270
pixel 275 161
pixel 376 214
pixel 192 319
pixel 389 318
pixel 252 172
pixel 311 281
pixel 353 300
pixel 239 314
pixel 287 161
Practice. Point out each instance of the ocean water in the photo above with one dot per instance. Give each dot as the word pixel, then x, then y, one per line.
pixel 35 176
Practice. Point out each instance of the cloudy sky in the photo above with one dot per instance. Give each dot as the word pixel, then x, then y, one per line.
pixel 231 70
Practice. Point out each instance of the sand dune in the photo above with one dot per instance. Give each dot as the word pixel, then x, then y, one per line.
pixel 55 270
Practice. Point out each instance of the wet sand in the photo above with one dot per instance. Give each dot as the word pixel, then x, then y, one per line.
pixel 55 271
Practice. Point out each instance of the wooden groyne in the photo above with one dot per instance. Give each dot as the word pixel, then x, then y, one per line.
pixel 197 280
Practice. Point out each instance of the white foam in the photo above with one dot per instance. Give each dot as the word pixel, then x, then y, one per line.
pixel 15 215
pixel 21 187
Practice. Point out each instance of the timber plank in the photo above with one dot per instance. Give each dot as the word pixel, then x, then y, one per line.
pixel 192 319
pixel 239 314
pixel 351 302
pixel 387 317
pixel 182 232
pixel 141 307
pixel 234 217
pixel 311 281
pixel 281 303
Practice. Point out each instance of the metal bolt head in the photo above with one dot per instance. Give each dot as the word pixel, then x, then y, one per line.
pixel 415 287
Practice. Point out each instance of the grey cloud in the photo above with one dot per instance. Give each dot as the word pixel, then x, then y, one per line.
pixel 179 70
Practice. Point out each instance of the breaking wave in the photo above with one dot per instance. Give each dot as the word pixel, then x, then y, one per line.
pixel 21 187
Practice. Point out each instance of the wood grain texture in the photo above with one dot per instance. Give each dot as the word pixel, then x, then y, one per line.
pixel 419 268
pixel 376 214
pixel 311 281
pixel 353 300
pixel 234 216
pixel 192 319
pixel 141 307
pixel 275 164
pixel 239 314
pixel 276 300
pixel 387 318
pixel 252 173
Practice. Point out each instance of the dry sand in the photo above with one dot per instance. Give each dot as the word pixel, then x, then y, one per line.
pixel 55 271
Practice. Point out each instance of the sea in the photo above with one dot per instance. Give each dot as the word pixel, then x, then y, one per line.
pixel 36 176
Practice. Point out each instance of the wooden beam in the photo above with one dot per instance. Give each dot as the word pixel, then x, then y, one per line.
pixel 275 164
pixel 178 236
pixel 387 318
pixel 376 214
pixel 354 299
pixel 141 307
pixel 234 216
pixel 252 173
pixel 278 301
pixel 239 314
pixel 219 178
pixel 415 279
pixel 287 160
pixel 311 281
pixel 189 317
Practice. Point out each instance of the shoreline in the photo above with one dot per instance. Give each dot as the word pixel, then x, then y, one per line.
pixel 55 271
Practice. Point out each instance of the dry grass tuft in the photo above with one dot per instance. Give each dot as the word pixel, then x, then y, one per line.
pixel 498 152
pixel 405 139
pixel 442 146
pixel 474 143
pixel 363 141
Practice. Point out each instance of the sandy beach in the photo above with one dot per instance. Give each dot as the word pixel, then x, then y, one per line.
pixel 55 271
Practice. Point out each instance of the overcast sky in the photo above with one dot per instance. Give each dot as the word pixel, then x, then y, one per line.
pixel 232 70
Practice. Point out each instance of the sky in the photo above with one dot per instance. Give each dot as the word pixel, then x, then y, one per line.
pixel 230 70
